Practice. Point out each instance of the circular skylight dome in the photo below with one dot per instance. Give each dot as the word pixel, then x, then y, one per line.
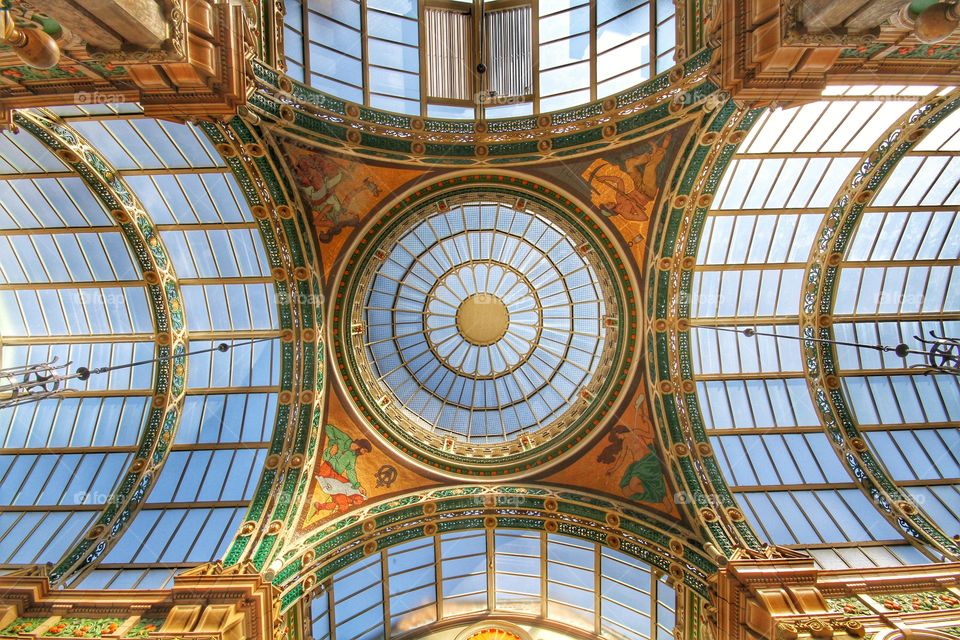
pixel 483 325
pixel 483 321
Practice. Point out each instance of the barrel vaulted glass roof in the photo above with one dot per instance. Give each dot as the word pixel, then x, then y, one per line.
pixel 69 287
pixel 379 52
pixel 899 278
pixel 483 574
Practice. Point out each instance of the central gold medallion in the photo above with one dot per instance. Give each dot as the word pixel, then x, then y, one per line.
pixel 482 319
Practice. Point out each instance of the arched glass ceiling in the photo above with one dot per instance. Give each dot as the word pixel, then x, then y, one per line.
pixel 900 279
pixel 485 573
pixel 371 52
pixel 53 303
pixel 484 320
pixel 753 396
pixel 70 287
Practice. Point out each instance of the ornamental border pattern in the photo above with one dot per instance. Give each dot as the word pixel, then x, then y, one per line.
pixel 820 279
pixel 624 352
pixel 313 117
pixel 297 279
pixel 669 278
pixel 159 275
pixel 373 527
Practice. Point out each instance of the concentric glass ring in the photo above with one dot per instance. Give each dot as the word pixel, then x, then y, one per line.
pixel 482 320
pixel 490 296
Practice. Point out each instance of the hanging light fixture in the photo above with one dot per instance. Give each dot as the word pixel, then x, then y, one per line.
pixel 34 382
pixel 34 46
pixel 941 354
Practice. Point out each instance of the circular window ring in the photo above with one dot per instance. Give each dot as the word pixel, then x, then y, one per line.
pixel 366 378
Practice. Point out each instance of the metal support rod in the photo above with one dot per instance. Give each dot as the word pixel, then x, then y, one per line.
pixel 31 383
pixel 942 355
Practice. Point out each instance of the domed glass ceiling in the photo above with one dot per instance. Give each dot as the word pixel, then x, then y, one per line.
pixel 483 319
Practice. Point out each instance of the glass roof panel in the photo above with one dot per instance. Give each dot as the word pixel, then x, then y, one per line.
pixel 435 579
pixel 26 154
pixel 753 398
pixel 73 291
pixel 635 40
pixel 899 281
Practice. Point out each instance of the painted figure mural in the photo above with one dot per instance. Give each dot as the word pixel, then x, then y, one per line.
pixel 630 187
pixel 642 479
pixel 321 179
pixel 339 191
pixel 336 475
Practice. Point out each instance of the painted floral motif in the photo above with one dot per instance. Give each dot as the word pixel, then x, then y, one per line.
pixel 143 627
pixel 852 606
pixel 924 601
pixel 83 627
pixel 29 74
pixel 21 625
pixel 907 52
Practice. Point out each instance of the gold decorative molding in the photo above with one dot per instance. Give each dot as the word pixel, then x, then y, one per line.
pixel 201 69
pixel 208 602
pixel 781 595
pixel 773 51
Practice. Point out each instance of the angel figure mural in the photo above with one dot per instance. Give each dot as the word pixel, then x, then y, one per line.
pixel 631 455
pixel 336 475
pixel 335 191
pixel 630 187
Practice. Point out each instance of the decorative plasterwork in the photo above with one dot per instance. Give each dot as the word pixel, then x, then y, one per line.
pixel 298 285
pixel 524 454
pixel 667 547
pixel 202 69
pixel 168 316
pixel 822 273
pixel 205 602
pixel 769 54
pixel 704 494
pixel 784 597
pixel 312 116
